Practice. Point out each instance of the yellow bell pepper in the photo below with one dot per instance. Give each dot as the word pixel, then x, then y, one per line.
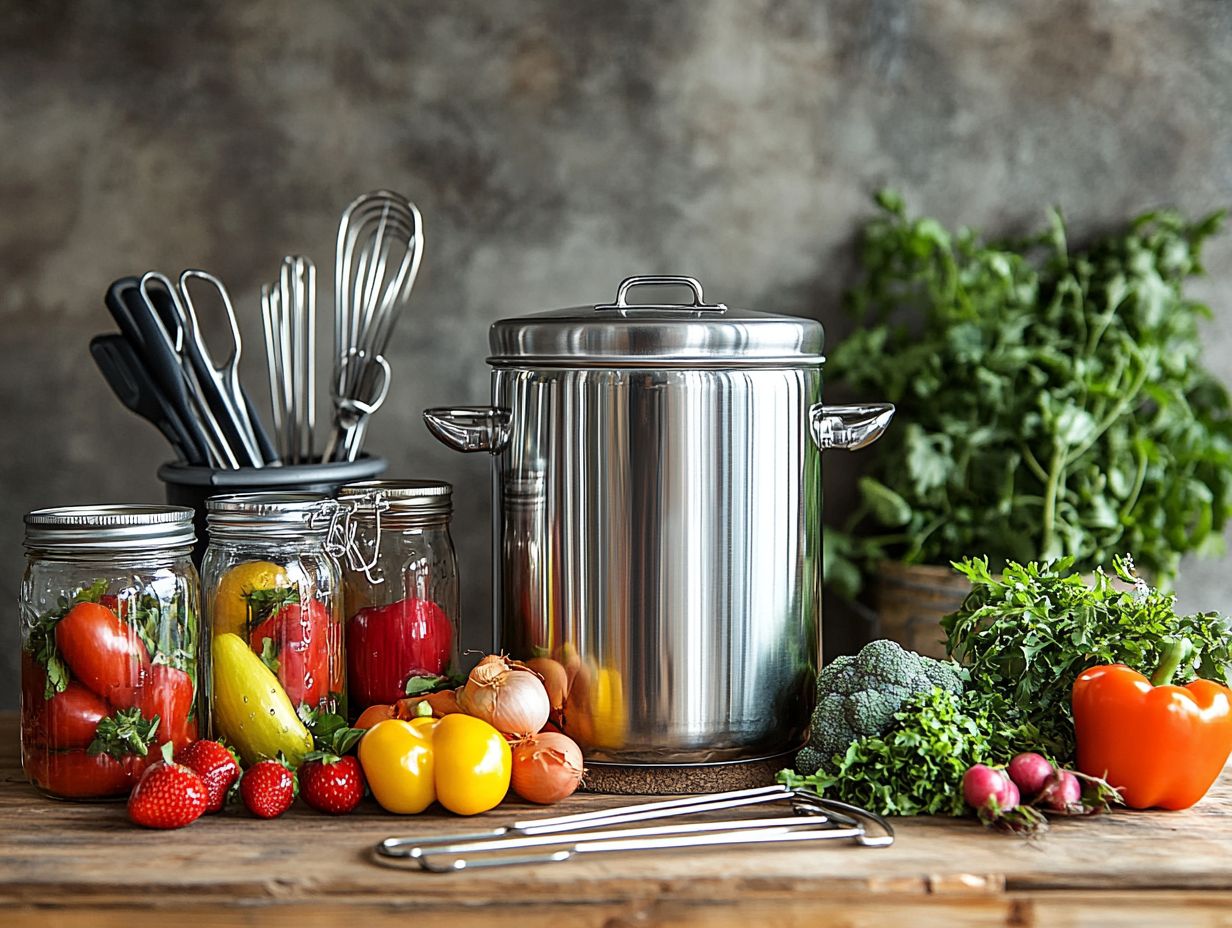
pixel 460 761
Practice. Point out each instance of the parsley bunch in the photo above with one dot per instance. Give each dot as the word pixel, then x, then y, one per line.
pixel 1051 400
pixel 916 768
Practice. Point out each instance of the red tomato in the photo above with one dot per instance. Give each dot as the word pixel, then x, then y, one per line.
pixel 33 705
pixel 102 650
pixel 301 639
pixel 72 716
pixel 168 693
pixel 78 775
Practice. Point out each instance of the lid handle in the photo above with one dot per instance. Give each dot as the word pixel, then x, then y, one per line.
pixel 699 303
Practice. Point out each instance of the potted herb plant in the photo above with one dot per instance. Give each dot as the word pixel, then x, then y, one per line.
pixel 1051 402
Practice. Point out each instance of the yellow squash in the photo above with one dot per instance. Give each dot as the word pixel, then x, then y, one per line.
pixel 251 709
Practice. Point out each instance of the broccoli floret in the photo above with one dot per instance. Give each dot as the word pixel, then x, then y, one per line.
pixel 858 696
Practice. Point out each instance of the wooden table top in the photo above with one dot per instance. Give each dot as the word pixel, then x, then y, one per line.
pixel 69 864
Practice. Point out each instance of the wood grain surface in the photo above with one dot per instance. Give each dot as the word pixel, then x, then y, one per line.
pixel 69 864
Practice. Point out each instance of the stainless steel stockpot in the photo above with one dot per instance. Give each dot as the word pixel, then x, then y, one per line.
pixel 657 523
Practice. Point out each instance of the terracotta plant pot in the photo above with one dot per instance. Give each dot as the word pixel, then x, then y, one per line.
pixel 911 600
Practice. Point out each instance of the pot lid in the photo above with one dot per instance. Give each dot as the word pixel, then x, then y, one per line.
pixel 625 334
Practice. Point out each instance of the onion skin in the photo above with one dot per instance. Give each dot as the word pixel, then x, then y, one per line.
pixel 506 695
pixel 555 681
pixel 546 768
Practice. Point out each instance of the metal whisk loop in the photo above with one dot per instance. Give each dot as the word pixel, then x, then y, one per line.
pixel 378 252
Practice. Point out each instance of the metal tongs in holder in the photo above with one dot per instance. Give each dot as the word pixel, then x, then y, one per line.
pixel 567 836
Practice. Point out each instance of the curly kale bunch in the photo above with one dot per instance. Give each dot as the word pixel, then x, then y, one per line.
pixel 858 697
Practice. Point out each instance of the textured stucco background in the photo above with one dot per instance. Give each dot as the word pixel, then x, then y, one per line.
pixel 554 148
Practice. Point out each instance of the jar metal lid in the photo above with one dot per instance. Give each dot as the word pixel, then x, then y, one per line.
pixel 281 515
pixel 404 497
pixel 665 334
pixel 110 528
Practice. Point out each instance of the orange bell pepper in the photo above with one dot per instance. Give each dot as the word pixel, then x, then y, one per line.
pixel 1161 745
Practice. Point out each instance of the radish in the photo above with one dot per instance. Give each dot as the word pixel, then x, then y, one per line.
pixel 987 788
pixel 1030 772
pixel 1062 793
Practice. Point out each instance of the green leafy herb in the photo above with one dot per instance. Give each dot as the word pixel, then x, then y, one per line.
pixel 269 655
pixel 123 733
pixel 916 768
pixel 420 685
pixel 41 639
pixel 264 603
pixel 330 732
pixel 1052 400
pixel 1026 635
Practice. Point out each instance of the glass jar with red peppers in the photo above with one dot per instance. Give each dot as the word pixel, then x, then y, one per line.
pixel 109 647
pixel 401 590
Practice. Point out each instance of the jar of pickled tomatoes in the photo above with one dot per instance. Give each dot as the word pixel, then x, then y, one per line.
pixel 401 590
pixel 273 607
pixel 109 646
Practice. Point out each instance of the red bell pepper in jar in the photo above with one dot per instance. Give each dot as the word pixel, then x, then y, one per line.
pixel 386 645
pixel 1161 745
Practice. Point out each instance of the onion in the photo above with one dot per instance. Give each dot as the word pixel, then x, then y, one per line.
pixel 506 695
pixel 555 681
pixel 546 768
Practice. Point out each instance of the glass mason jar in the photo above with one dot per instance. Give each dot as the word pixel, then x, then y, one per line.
pixel 401 589
pixel 274 611
pixel 109 650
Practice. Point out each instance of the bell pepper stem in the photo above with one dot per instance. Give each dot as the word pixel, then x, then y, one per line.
pixel 1175 652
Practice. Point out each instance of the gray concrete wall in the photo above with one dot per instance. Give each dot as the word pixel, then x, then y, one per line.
pixel 554 149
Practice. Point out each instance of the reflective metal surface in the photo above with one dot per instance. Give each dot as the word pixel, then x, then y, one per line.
pixel 658 532
pixel 697 334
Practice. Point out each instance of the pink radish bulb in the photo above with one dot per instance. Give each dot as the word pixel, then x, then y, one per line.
pixel 1062 793
pixel 1030 772
pixel 982 785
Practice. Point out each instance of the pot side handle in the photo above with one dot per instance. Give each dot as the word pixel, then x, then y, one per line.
pixel 470 428
pixel 849 427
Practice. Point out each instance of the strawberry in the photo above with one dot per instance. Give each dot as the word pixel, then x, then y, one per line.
pixel 268 788
pixel 215 765
pixel 332 784
pixel 168 795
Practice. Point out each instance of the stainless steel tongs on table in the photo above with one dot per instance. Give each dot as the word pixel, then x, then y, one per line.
pixel 564 837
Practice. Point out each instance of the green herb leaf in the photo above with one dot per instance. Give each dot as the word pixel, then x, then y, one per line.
pixel 330 731
pixel 269 655
pixel 264 603
pixel 123 733
pixel 421 685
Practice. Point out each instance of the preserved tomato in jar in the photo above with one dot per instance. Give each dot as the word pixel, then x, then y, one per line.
pixel 401 590
pixel 273 605
pixel 109 663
